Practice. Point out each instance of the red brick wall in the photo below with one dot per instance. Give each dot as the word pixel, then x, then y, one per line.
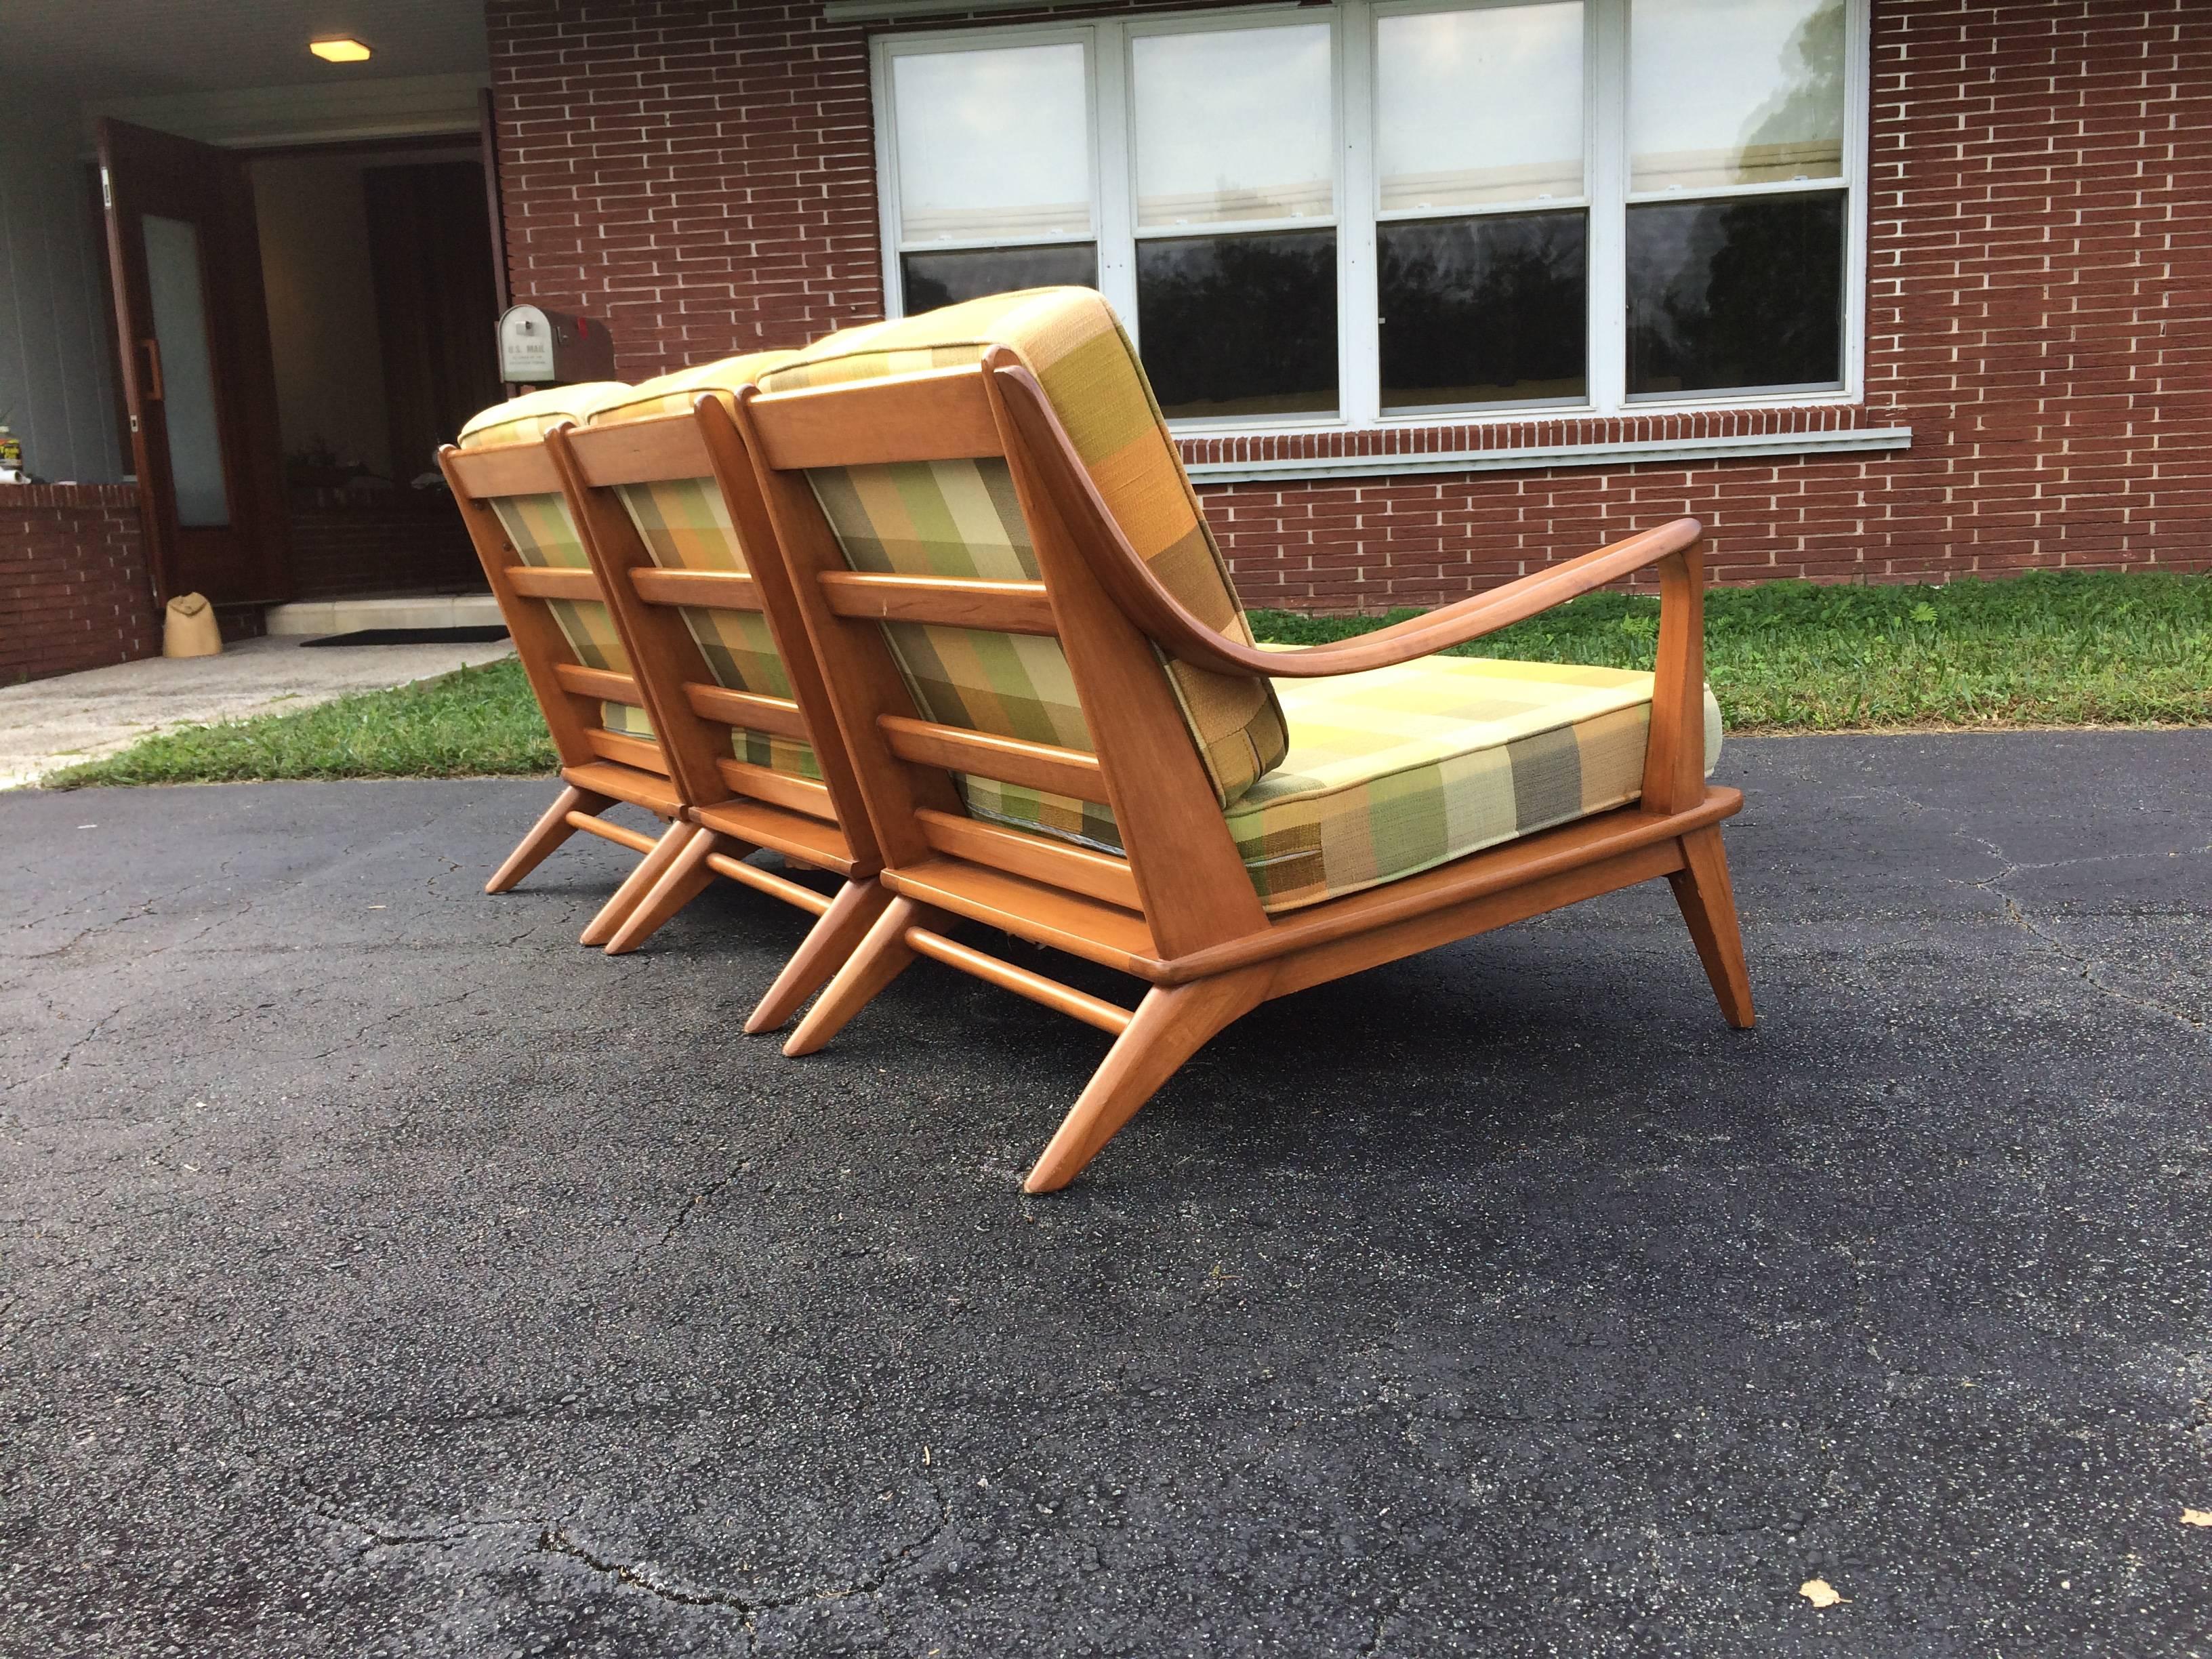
pixel 343 543
pixel 73 590
pixel 2040 308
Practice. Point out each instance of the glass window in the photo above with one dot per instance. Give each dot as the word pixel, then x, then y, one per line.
pixel 1741 293
pixel 994 146
pixel 1734 92
pixel 1464 229
pixel 1233 125
pixel 1240 325
pixel 932 279
pixel 1485 310
pixel 1481 108
pixel 188 408
pixel 1474 107
pixel 1237 128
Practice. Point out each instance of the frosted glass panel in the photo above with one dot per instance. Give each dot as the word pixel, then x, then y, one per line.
pixel 1234 124
pixel 1734 92
pixel 993 145
pixel 1474 107
pixel 173 277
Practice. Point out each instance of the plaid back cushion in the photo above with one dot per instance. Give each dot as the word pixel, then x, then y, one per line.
pixel 544 533
pixel 685 524
pixel 959 519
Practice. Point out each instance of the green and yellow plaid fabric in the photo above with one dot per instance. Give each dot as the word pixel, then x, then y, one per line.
pixel 1398 770
pixel 534 414
pixel 958 519
pixel 685 526
pixel 674 394
pixel 544 533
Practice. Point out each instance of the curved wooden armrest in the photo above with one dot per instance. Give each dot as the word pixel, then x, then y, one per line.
pixel 1147 603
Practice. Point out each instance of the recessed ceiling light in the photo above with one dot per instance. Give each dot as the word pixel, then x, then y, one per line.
pixel 345 50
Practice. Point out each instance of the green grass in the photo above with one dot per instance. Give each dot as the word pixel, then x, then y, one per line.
pixel 2048 648
pixel 2056 649
pixel 475 722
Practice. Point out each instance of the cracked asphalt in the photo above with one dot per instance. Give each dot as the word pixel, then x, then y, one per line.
pixel 381 1274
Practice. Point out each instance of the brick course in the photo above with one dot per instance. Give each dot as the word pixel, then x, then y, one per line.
pixel 74 588
pixel 2040 304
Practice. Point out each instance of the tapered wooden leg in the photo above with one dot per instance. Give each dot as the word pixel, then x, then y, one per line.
pixel 1172 1024
pixel 1708 901
pixel 837 931
pixel 548 833
pixel 883 956
pixel 640 882
pixel 685 878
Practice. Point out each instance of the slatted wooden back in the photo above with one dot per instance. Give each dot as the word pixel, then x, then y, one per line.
pixel 718 648
pixel 569 641
pixel 1178 869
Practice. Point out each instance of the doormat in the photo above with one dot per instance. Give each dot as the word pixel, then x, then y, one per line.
pixel 415 637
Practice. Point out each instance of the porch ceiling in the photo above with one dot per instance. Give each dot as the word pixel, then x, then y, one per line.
pixel 126 48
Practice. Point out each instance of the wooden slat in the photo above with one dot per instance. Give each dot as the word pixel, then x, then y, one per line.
pixel 621 835
pixel 1067 921
pixel 1063 999
pixel 598 683
pixel 718 590
pixel 628 751
pixel 1607 836
pixel 777 788
pixel 940 416
pixel 778 716
pixel 647 789
pixel 767 881
pixel 641 451
pixel 807 840
pixel 523 469
pixel 1009 760
pixel 947 601
pixel 539 581
pixel 1056 864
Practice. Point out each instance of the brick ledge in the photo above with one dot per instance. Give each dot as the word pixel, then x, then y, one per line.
pixel 69 495
pixel 1597 452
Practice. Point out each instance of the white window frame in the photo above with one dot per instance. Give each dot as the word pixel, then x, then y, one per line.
pixel 1108 42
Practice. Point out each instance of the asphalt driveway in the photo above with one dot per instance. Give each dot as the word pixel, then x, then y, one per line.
pixel 381 1274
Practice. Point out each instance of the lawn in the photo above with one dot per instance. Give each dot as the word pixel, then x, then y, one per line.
pixel 2056 648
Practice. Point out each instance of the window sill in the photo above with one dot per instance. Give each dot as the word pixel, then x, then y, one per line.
pixel 1386 453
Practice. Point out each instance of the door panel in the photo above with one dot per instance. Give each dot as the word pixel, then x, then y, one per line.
pixel 184 257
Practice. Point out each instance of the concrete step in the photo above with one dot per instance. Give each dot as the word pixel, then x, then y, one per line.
pixel 320 617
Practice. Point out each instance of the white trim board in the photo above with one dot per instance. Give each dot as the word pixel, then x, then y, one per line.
pixel 1733 447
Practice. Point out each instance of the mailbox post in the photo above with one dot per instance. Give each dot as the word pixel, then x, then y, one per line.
pixel 537 346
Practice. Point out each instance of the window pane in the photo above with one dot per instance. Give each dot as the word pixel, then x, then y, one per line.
pixel 180 328
pixel 1483 311
pixel 1479 106
pixel 943 279
pixel 1736 295
pixel 1240 325
pixel 992 145
pixel 1734 92
pixel 1234 123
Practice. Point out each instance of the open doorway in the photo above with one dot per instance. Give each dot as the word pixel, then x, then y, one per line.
pixel 382 305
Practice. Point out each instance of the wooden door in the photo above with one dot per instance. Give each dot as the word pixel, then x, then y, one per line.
pixel 199 390
pixel 437 304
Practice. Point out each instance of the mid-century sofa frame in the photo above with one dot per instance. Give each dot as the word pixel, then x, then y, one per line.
pixel 1179 912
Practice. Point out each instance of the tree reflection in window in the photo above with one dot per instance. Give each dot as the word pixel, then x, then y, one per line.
pixel 1240 325
pixel 1740 293
pixel 1484 310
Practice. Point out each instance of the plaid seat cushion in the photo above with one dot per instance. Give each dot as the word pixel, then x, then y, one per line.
pixel 958 519
pixel 534 414
pixel 685 524
pixel 1398 770
pixel 542 532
